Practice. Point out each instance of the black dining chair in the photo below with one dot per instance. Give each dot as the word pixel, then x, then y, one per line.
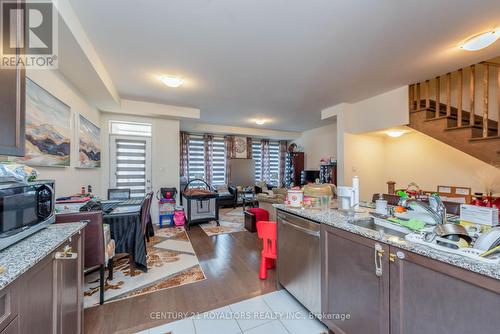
pixel 146 214
pixel 119 194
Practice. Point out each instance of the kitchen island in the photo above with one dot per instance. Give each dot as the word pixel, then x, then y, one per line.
pixel 41 282
pixel 386 284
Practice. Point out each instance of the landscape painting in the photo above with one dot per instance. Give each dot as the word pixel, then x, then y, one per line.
pixel 48 129
pixel 90 139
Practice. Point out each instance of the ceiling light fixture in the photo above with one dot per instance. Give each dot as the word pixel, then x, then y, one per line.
pixel 395 133
pixel 172 81
pixel 260 121
pixel 481 41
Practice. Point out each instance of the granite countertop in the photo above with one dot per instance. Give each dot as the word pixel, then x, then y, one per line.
pixel 336 219
pixel 18 258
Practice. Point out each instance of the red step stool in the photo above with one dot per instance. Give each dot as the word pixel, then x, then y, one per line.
pixel 267 232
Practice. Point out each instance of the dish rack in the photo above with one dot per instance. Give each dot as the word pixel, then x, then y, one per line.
pixel 471 253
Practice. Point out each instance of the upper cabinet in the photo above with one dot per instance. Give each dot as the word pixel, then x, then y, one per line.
pixel 12 109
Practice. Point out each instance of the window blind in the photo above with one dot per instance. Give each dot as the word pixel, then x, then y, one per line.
pixel 131 166
pixel 219 161
pixel 257 157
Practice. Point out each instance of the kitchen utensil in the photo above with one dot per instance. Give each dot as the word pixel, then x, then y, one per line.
pixel 381 205
pixel 490 252
pixel 449 229
pixel 452 241
pixel 346 197
pixel 488 240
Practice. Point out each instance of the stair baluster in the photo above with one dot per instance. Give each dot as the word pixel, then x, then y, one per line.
pixel 486 85
pixel 472 94
pixel 427 94
pixel 448 94
pixel 459 97
pixel 438 95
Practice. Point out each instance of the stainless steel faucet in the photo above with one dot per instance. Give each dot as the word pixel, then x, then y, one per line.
pixel 435 207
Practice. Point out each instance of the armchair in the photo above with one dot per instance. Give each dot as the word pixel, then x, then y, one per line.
pixel 228 196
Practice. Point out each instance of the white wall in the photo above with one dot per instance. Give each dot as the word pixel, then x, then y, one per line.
pixel 165 152
pixel 364 157
pixel 318 143
pixel 197 127
pixel 415 157
pixel 69 179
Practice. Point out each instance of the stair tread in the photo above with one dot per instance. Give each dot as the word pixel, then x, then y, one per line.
pixel 485 138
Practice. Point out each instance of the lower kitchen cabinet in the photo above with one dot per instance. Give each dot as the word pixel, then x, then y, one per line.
pixel 410 293
pixel 351 283
pixel 48 297
pixel 428 296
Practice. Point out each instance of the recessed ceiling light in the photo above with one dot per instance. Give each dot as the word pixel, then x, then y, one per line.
pixel 395 133
pixel 481 41
pixel 172 81
pixel 260 121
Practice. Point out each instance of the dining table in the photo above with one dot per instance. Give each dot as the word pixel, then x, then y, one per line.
pixel 125 225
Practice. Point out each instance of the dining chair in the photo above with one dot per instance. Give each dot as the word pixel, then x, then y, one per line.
pixel 146 214
pixel 99 247
pixel 118 194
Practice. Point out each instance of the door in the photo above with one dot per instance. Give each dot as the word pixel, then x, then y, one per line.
pixel 355 283
pixel 428 296
pixel 299 265
pixel 131 164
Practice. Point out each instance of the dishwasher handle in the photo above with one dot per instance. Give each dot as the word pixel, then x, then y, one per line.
pixel 300 228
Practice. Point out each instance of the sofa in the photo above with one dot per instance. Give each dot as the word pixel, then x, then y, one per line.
pixel 267 198
pixel 228 196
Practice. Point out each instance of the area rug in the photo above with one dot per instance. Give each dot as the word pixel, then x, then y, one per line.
pixel 171 262
pixel 238 212
pixel 230 222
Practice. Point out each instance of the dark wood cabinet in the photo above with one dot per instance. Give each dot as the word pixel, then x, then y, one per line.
pixel 12 109
pixel 48 298
pixel 351 283
pixel 294 165
pixel 411 294
pixel 428 296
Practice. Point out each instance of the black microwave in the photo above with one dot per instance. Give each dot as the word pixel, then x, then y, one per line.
pixel 25 208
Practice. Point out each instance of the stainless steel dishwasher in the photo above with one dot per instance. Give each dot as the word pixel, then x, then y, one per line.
pixel 299 263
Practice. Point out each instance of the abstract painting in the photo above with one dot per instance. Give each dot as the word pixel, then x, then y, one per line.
pixel 90 143
pixel 48 129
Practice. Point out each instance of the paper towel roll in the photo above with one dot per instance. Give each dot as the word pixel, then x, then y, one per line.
pixel 355 187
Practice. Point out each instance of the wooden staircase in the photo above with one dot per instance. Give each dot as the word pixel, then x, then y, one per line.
pixel 476 135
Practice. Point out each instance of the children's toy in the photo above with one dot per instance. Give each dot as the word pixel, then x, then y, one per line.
pixel 166 206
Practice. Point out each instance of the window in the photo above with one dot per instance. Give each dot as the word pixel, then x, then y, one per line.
pixel 257 157
pixel 274 161
pixel 130 129
pixel 219 161
pixel 197 159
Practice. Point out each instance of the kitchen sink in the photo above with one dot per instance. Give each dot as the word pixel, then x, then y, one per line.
pixel 369 223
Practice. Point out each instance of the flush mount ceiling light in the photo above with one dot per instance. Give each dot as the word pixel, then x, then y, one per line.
pixel 481 41
pixel 260 121
pixel 395 133
pixel 171 81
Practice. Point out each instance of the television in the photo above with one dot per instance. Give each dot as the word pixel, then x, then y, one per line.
pixel 242 172
pixel 308 176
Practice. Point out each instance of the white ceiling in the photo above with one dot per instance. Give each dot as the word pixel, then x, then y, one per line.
pixel 283 60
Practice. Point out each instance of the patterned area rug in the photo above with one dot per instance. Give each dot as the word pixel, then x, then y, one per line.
pixel 230 220
pixel 171 262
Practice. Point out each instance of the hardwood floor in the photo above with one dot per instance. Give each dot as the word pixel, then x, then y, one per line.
pixel 231 265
